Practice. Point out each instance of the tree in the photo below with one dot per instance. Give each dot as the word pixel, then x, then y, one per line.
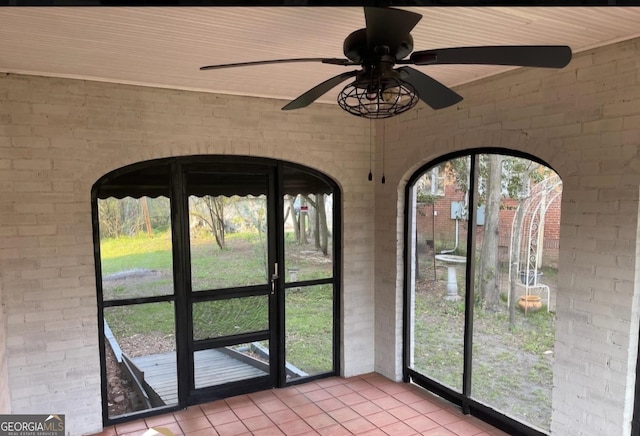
pixel 321 232
pixel 294 216
pixel 499 176
pixel 302 220
pixel 145 214
pixel 489 291
pixel 253 211
pixel 110 217
pixel 210 211
pixel 322 219
pixel 119 217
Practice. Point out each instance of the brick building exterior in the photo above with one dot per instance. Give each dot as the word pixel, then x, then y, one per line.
pixel 437 229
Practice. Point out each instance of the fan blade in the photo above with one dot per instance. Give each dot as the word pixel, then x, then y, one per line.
pixel 388 26
pixel 432 92
pixel 547 56
pixel 332 61
pixel 317 91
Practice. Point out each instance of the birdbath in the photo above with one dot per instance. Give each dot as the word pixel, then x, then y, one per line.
pixel 452 277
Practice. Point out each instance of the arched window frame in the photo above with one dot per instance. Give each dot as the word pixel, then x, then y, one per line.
pixel 463 399
pixel 165 177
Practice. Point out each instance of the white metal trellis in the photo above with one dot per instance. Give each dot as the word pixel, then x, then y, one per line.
pixel 525 248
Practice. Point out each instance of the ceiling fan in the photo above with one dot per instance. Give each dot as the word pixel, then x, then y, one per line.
pixel 380 90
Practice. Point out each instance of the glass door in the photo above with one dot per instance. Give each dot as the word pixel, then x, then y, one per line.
pixel 217 275
pixel 309 275
pixel 232 282
pixel 482 232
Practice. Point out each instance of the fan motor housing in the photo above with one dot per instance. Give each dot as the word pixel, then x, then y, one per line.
pixel 356 48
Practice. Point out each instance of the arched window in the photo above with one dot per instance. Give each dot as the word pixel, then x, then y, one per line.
pixel 482 233
pixel 217 276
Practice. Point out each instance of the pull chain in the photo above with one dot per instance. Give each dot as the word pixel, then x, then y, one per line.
pixel 383 141
pixel 370 141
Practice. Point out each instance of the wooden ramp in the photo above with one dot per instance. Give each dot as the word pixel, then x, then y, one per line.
pixel 212 368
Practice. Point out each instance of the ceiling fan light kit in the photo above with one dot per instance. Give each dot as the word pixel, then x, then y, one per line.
pixel 382 98
pixel 379 90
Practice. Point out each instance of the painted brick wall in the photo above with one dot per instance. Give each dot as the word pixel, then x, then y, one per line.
pixel 5 400
pixel 57 137
pixel 583 120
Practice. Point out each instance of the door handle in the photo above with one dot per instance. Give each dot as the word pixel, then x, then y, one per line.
pixel 274 278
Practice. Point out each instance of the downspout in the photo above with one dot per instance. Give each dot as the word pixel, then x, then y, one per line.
pixel 456 245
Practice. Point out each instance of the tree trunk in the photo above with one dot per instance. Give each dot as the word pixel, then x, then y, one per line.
pixel 302 220
pixel 316 232
pixel 322 221
pixel 313 219
pixel 286 214
pixel 145 213
pixel 295 218
pixel 215 206
pixel 489 272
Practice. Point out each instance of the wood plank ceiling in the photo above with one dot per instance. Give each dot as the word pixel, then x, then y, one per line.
pixel 165 46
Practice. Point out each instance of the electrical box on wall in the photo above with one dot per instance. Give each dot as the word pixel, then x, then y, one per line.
pixel 459 212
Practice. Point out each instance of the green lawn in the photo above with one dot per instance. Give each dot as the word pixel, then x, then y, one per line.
pixel 309 328
pixel 132 252
pixel 141 266
pixel 213 319
pixel 511 366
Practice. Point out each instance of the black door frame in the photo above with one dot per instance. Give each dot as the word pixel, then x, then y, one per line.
pixel 166 177
pixel 185 328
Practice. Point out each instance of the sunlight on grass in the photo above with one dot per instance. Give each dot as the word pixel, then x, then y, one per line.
pixel 131 245
pixel 309 309
pixel 126 321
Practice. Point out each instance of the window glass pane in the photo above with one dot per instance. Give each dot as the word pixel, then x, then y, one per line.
pixel 308 236
pixel 431 183
pixel 309 330
pixel 212 319
pixel 308 226
pixel 517 261
pixel 140 357
pixel 439 232
pixel 517 234
pixel 228 237
pixel 135 247
pixel 218 366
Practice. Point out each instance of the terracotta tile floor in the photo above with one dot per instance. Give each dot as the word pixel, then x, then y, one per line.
pixel 368 405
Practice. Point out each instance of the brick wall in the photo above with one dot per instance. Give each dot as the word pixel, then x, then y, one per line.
pixel 57 137
pixel 5 401
pixel 584 121
pixel 436 228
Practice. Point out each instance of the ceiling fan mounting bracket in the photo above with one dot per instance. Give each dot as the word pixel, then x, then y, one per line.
pixel 356 47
